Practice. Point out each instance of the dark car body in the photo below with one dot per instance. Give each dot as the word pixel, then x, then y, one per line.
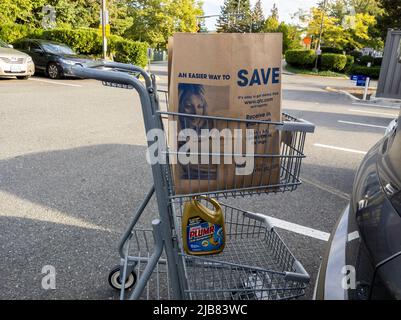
pixel 363 260
pixel 52 58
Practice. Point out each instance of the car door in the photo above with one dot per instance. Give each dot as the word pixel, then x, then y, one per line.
pixel 38 55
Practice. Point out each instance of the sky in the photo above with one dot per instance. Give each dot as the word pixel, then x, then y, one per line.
pixel 286 8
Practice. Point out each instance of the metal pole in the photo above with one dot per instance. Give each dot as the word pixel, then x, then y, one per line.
pixel 365 94
pixel 319 41
pixel 104 42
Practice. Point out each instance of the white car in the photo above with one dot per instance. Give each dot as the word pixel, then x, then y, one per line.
pixel 15 63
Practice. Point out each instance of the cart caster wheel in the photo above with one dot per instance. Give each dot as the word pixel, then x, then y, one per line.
pixel 115 282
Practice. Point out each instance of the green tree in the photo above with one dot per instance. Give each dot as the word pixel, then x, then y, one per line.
pixel 26 12
pixel 258 17
pixel 390 17
pixel 154 21
pixel 351 32
pixel 271 23
pixel 291 36
pixel 274 12
pixel 235 16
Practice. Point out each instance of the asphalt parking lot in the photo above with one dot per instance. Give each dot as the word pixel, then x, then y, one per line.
pixel 73 169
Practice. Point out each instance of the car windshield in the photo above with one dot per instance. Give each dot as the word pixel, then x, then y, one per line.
pixel 57 48
pixel 3 44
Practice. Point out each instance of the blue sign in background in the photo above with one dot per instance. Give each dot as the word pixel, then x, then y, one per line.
pixel 359 79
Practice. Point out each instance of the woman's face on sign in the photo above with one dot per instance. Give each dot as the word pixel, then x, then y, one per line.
pixel 194 104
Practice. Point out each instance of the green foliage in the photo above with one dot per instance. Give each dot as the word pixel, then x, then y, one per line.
pixel 235 16
pixel 86 41
pixel 129 51
pixel 333 62
pixel 372 72
pixel 349 64
pixel 347 31
pixel 12 32
pixel 391 16
pixel 154 21
pixel 377 62
pixel 332 50
pixel 364 60
pixel 291 36
pixel 300 58
pixel 271 24
pixel 258 18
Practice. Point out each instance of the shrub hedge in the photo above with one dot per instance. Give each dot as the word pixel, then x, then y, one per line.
pixel 333 62
pixel 300 58
pixel 349 64
pixel 372 72
pixel 332 50
pixel 85 41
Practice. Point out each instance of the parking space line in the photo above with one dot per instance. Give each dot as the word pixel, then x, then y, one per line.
pixel 375 106
pixel 362 124
pixel 327 188
pixel 56 82
pixel 296 228
pixel 391 115
pixel 318 145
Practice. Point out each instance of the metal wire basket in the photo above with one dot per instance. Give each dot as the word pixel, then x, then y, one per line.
pixel 279 157
pixel 255 264
pixel 279 153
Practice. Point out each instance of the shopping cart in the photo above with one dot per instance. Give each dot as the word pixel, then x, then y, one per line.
pixel 255 264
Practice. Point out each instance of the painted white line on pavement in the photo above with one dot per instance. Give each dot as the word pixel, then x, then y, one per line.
pixel 391 115
pixel 56 82
pixel 375 105
pixel 327 188
pixel 296 228
pixel 353 236
pixel 318 145
pixel 361 124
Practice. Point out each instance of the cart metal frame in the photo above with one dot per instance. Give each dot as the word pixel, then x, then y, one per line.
pixel 165 249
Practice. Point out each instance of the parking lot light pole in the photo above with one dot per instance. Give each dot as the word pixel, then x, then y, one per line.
pixel 104 41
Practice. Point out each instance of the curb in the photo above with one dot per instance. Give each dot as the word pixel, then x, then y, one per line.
pixel 378 102
pixel 349 95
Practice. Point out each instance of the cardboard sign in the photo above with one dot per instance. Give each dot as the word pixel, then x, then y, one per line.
pixel 233 76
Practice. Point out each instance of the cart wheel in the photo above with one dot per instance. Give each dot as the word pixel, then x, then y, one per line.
pixel 115 282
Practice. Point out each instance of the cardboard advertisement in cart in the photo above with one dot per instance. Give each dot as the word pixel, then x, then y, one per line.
pixel 233 76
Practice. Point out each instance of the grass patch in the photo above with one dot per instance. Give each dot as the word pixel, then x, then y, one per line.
pixel 313 73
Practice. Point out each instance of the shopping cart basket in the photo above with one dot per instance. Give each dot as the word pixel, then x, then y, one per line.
pixel 255 264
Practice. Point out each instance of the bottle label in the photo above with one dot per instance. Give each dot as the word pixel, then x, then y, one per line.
pixel 203 236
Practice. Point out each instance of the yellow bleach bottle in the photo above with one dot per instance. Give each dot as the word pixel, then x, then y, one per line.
pixel 203 229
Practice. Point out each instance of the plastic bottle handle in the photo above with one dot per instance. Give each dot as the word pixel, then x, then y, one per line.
pixel 215 204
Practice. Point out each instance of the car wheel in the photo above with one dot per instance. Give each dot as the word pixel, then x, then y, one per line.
pixel 53 71
pixel 23 77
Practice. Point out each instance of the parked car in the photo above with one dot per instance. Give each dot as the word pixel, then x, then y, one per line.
pixel 15 63
pixel 363 260
pixel 52 58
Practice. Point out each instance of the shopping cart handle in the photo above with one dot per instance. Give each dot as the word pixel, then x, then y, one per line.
pixel 299 125
pixel 114 67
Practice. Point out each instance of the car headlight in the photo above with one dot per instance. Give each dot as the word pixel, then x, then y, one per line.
pixel 69 62
pixel 29 59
